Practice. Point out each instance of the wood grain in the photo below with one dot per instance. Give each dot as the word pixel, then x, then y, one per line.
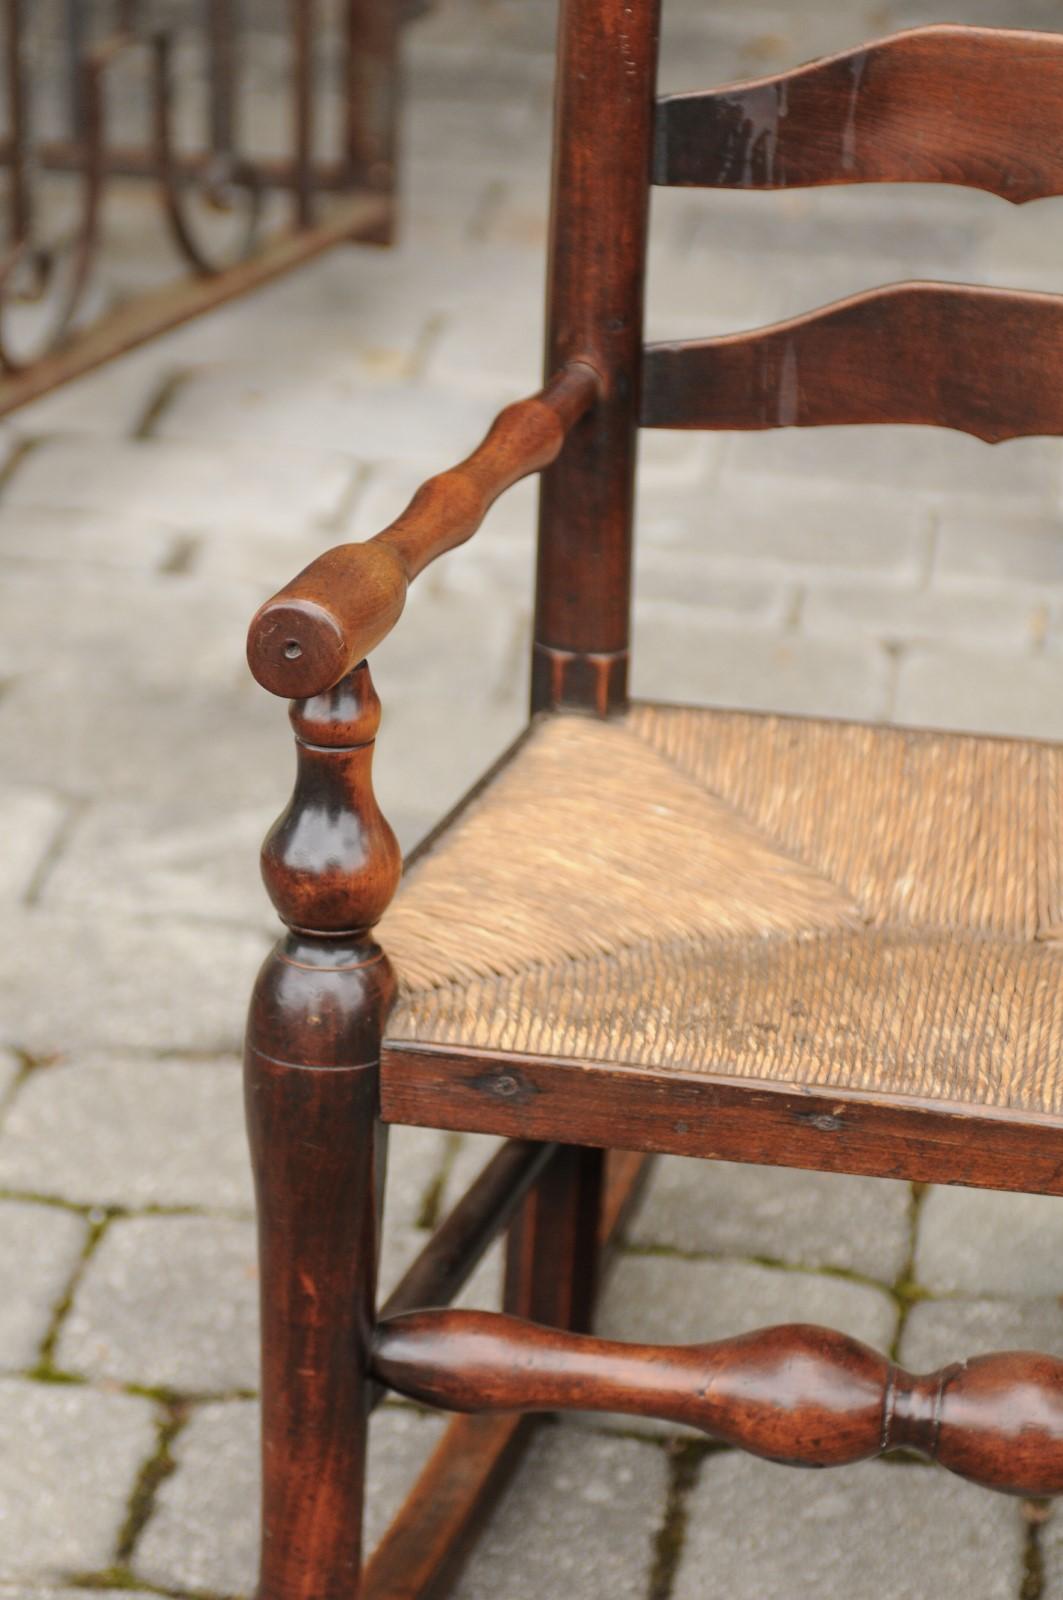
pixel 988 362
pixel 606 73
pixel 331 862
pixel 798 1394
pixel 981 107
pixel 319 626
pixel 721 1118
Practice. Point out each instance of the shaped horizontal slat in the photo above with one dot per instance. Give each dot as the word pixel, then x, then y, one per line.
pixel 980 107
pixel 985 361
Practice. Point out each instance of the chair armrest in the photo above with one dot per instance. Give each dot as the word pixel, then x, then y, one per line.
pixel 311 633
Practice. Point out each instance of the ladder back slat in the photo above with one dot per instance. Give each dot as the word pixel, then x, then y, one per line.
pixel 978 107
pixel 985 361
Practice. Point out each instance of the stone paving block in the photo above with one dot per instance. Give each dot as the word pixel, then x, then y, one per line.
pixel 113 1132
pixel 998 553
pixel 677 459
pixel 795 529
pixel 64 1490
pixel 126 984
pixel 106 404
pixel 983 622
pixel 203 1534
pixel 168 1302
pixel 242 484
pixel 678 656
pixel 40 1246
pixel 766 1532
pixel 976 1242
pixel 935 462
pixel 975 692
pixel 580 1518
pixel 665 1299
pixel 14 1591
pixel 805 227
pixel 331 411
pixel 10 1067
pixel 202 865
pixel 233 739
pixel 810 1219
pixel 480 699
pixel 183 634
pixel 938 1332
pixel 114 538
pixel 30 820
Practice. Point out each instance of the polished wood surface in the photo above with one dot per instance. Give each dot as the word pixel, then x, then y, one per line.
pixel 318 1151
pixel 986 361
pixel 799 1394
pixel 720 1119
pixel 331 862
pixel 606 72
pixel 307 637
pixel 982 107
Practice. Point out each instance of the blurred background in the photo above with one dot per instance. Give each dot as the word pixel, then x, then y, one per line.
pixel 146 510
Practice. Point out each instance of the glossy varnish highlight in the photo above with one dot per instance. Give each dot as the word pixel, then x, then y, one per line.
pixel 982 107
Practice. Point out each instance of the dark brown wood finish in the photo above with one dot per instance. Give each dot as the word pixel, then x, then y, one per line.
pixel 553 1262
pixel 982 107
pixel 607 62
pixel 312 1085
pixel 801 1395
pixel 313 632
pixel 986 361
pixel 721 1119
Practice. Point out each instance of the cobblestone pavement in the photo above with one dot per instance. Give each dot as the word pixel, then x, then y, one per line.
pixel 143 514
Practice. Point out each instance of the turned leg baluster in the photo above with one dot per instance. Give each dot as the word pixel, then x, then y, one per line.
pixel 331 864
pixel 797 1394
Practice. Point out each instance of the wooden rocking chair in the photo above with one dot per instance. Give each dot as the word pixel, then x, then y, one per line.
pixel 653 928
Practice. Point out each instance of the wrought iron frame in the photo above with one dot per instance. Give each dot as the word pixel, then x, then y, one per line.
pixel 347 198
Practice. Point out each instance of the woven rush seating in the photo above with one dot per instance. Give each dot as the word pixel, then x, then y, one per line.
pixel 766 897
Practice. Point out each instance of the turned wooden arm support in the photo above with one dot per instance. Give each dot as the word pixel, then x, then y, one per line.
pixel 310 634
pixel 801 1395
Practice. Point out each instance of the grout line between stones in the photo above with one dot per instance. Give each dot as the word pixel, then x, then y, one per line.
pixel 905 1290
pixel 1035 1514
pixel 159 403
pixel 153 1474
pixel 684 1458
pixel 61 836
pixel 46 1370
pixel 19 452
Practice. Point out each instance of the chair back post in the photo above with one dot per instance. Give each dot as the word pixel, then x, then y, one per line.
pixel 603 139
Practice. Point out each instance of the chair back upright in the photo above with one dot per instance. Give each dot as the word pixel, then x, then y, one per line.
pixel 978 107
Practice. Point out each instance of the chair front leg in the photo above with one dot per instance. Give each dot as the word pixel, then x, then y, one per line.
pixel 318 1150
pixel 318 1156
